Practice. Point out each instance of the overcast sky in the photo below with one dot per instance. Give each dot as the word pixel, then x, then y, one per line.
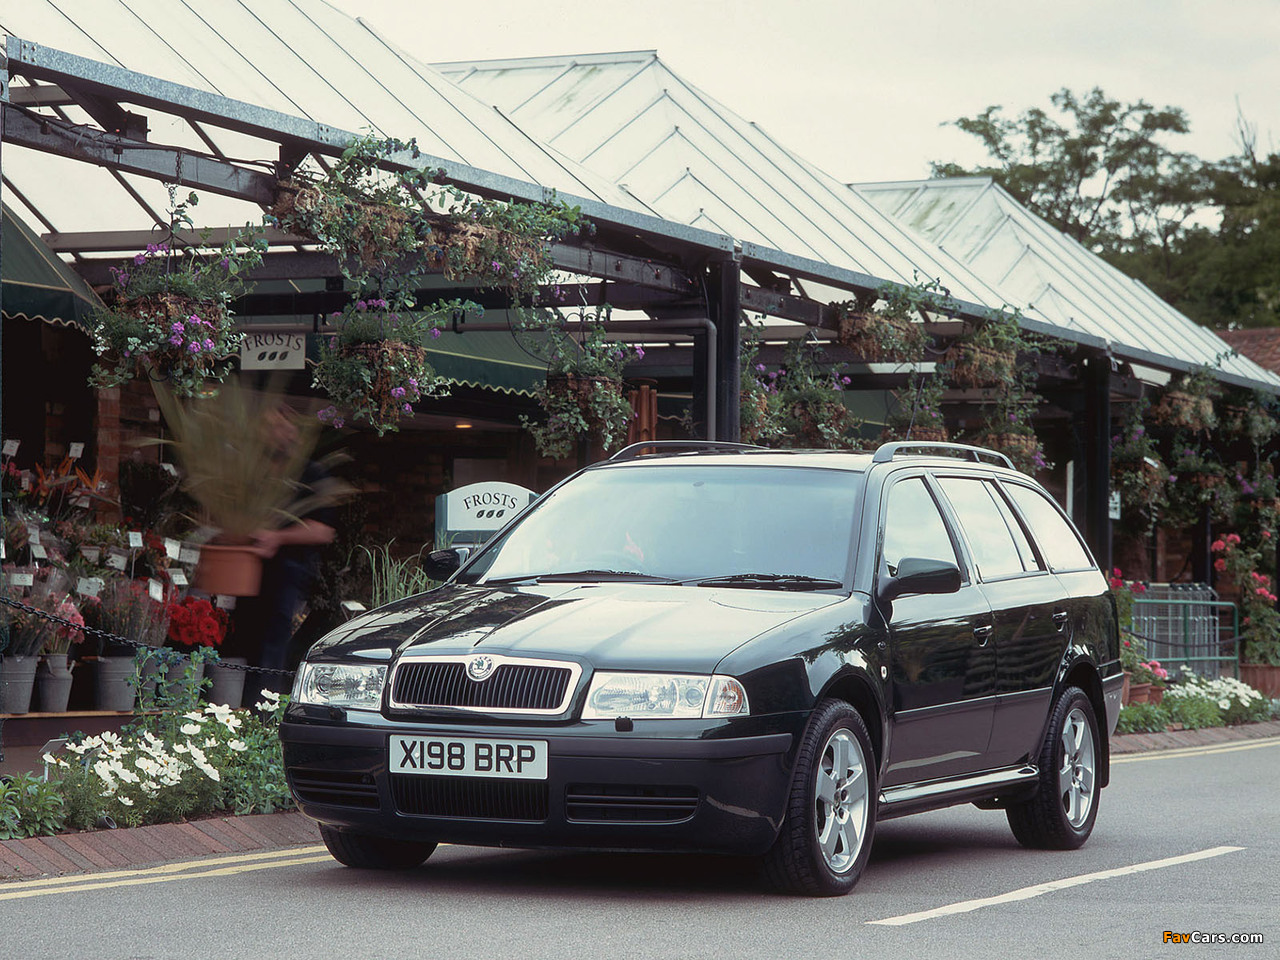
pixel 862 88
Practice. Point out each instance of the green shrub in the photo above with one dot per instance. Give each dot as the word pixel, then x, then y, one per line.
pixel 29 807
pixel 1193 712
pixel 1142 718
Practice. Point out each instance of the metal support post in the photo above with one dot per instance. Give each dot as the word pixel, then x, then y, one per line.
pixel 1097 415
pixel 724 284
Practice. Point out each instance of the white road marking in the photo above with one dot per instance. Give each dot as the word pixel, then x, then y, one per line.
pixel 1234 747
pixel 1026 893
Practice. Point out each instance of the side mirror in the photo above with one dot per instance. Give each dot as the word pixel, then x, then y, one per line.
pixel 920 575
pixel 443 564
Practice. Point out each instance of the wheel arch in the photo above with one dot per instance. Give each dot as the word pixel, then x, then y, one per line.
pixel 1083 673
pixel 857 690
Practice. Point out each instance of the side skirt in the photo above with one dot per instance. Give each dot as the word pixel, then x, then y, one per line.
pixel 1011 783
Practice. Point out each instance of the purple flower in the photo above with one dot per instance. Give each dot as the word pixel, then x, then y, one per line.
pixel 407 408
pixel 140 259
pixel 362 305
pixel 338 423
pixel 208 344
pixel 413 382
pixel 759 368
pixel 397 392
pixel 176 340
pixel 179 327
pixel 639 353
pixel 193 347
pixel 846 380
pixel 435 333
pixel 497 267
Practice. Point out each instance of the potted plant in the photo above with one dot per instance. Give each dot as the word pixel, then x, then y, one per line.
pixel 53 674
pixel 582 397
pixel 241 475
pixel 170 317
pixel 1198 482
pixel 987 356
pixel 1241 563
pixel 889 333
pixel 1137 472
pixel 810 398
pixel 760 419
pixel 25 632
pixel 917 412
pixel 374 368
pixel 126 608
pixel 1188 402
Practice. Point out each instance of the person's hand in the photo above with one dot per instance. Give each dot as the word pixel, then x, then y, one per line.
pixel 266 543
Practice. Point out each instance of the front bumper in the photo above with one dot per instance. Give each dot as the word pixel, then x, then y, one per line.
pixel 604 789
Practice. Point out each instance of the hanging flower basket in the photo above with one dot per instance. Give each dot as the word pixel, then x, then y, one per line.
pixel 977 365
pixel 580 407
pixel 1023 449
pixel 1182 410
pixel 916 434
pixel 876 338
pixel 374 382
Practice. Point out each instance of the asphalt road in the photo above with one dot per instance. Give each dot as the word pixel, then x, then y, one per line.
pixel 1212 812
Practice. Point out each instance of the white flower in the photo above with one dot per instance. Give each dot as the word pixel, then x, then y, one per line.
pixel 190 729
pixel 195 715
pixel 1224 704
pixel 50 759
pixel 126 801
pixel 237 745
pixel 231 722
pixel 219 710
pixel 180 748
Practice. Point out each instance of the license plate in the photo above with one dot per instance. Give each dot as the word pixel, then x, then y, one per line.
pixel 470 757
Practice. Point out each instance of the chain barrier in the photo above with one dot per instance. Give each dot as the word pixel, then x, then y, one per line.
pixel 135 644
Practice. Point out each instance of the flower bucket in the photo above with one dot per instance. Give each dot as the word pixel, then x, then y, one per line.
pixel 228 683
pixel 115 688
pixel 1139 692
pixel 17 679
pixel 229 571
pixel 53 684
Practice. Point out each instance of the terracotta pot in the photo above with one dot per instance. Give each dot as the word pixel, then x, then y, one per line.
pixel 1125 690
pixel 231 571
pixel 1156 694
pixel 1262 677
pixel 1139 692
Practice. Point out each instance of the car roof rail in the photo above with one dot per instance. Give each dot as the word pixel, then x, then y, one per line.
pixel 677 446
pixel 963 451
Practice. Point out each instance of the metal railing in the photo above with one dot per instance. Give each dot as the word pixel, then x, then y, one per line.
pixel 1186 623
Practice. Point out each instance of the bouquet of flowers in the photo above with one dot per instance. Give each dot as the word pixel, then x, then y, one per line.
pixel 197 623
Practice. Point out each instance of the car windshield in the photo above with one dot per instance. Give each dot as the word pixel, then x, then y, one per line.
pixel 684 522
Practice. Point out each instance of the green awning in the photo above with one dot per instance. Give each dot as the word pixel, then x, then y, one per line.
pixel 487 358
pixel 37 285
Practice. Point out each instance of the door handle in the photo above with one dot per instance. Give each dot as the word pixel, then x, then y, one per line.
pixel 983 634
pixel 1060 618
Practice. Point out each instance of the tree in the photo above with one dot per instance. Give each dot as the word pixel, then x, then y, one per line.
pixel 1203 235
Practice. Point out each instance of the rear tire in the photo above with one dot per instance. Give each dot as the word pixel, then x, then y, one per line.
pixel 830 820
pixel 1061 814
pixel 374 853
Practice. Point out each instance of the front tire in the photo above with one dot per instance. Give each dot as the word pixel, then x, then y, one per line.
pixel 1061 814
pixel 374 853
pixel 825 839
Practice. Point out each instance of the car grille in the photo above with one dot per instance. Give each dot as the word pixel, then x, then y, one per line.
pixel 633 803
pixel 469 798
pixel 514 686
pixel 335 789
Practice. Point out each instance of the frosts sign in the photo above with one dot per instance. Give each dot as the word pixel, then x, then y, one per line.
pixel 480 508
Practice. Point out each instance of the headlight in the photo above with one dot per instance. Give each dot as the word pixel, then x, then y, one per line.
pixel 340 685
pixel 656 696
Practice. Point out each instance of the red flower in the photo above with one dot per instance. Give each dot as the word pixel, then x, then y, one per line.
pixel 1219 564
pixel 1217 546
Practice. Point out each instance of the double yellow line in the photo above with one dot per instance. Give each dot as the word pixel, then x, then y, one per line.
pixel 185 870
pixel 1230 747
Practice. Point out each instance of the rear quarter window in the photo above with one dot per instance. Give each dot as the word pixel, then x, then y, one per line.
pixel 1058 540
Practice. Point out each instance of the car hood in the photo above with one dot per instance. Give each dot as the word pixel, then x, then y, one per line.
pixel 629 626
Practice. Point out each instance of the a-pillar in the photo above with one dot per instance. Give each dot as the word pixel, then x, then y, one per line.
pixel 726 309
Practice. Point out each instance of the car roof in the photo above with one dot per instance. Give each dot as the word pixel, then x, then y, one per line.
pixel 858 461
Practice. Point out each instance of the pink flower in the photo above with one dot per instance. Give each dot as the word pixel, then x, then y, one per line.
pixel 1217 546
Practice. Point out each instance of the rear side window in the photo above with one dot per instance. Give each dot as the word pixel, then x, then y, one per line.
pixel 1057 538
pixel 994 550
pixel 913 526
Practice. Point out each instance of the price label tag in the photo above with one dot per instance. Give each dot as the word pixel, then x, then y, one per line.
pixel 177 578
pixel 226 603
pixel 33 533
pixel 135 540
pixel 38 552
pixel 1 548
pixel 171 548
pixel 88 586
pixel 11 448
pixel 22 579
pixel 26 481
pixel 81 502
pixel 189 554
pixel 169 468
pixel 75 451
pixel 156 590
pixel 92 554
pixel 117 561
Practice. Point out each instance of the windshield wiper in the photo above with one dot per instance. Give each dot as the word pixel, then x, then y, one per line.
pixel 767 581
pixel 585 576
